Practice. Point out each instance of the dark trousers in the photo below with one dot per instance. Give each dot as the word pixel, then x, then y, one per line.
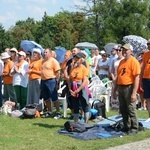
pixel 127 107
pixel 0 91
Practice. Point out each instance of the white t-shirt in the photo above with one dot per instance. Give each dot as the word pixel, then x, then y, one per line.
pixel 93 69
pixel 111 59
pixel 22 77
pixel 1 67
pixel 104 64
pixel 116 64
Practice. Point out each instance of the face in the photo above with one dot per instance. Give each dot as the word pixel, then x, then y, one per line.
pixel 28 55
pixel 104 57
pixel 75 51
pixel 66 57
pixel 114 52
pixel 13 53
pixel 47 53
pixel 148 45
pixel 126 52
pixel 97 52
pixel 36 55
pixel 119 51
pixel 77 61
pixel 20 57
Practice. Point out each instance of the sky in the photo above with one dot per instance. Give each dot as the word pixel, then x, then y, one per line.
pixel 12 11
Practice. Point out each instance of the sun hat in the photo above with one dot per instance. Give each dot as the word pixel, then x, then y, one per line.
pixel 85 54
pixel 128 46
pixel 36 50
pixel 102 52
pixel 22 53
pixel 14 50
pixel 5 55
pixel 80 55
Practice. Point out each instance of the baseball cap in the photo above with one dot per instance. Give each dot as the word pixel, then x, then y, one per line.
pixel 128 46
pixel 22 53
pixel 14 49
pixel 36 50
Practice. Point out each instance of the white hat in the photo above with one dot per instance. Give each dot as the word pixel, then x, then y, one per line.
pixel 5 55
pixel 102 52
pixel 14 49
pixel 22 53
pixel 36 50
pixel 128 46
pixel 115 47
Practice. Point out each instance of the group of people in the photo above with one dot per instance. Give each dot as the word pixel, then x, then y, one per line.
pixel 27 77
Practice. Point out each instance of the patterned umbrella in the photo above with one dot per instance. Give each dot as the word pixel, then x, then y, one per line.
pixel 137 42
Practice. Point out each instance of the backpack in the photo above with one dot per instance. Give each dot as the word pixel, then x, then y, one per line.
pixel 29 112
pixel 100 107
pixel 74 127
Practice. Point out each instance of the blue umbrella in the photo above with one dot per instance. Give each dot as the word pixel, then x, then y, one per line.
pixel 27 45
pixel 60 53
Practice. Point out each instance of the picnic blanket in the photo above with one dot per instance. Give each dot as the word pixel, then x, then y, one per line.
pixel 96 132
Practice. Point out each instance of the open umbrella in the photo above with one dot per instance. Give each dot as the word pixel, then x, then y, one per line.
pixel 138 43
pixel 60 53
pixel 27 45
pixel 108 47
pixel 83 45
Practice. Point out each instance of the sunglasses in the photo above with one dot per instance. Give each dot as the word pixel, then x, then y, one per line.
pixel 148 43
pixel 103 56
pixel 118 50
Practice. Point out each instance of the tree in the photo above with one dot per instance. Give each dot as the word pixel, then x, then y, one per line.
pixel 2 33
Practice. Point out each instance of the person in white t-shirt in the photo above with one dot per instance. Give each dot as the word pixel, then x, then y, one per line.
pixel 112 57
pixel 103 67
pixel 1 72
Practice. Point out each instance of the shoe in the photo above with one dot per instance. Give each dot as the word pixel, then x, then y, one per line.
pixel 58 115
pixel 132 132
pixel 125 130
pixel 47 115
pixel 148 120
pixel 71 117
pixel 142 108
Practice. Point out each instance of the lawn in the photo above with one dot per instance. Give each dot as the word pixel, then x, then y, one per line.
pixel 36 134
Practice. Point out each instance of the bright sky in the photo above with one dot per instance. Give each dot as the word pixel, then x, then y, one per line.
pixel 14 10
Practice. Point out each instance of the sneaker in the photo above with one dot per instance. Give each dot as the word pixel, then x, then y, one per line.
pixel 71 117
pixel 47 115
pixel 142 108
pixel 148 120
pixel 58 115
pixel 132 132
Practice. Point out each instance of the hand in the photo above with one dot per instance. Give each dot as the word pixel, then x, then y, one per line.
pixel 29 71
pixel 114 95
pixel 72 93
pixel 133 97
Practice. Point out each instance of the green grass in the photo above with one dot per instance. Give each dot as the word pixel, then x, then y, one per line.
pixel 36 134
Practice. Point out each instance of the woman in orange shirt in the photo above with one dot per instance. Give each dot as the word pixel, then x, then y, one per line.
pixel 9 92
pixel 78 80
pixel 34 71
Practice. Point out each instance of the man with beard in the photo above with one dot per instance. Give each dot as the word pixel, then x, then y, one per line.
pixel 127 83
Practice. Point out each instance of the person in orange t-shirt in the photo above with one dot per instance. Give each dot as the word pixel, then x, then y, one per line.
pixel 78 79
pixel 127 83
pixel 34 71
pixel 9 92
pixel 50 75
pixel 145 78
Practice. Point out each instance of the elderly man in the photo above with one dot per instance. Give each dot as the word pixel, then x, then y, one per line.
pixel 50 74
pixel 127 83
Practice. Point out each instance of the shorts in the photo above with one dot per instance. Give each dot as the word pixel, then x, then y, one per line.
pixel 48 90
pixel 146 87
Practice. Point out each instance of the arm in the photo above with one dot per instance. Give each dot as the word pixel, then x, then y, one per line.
pixel 135 87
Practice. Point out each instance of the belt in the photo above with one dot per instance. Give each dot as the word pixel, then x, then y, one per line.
pixel 124 85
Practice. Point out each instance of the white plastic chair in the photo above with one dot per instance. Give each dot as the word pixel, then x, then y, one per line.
pixel 64 101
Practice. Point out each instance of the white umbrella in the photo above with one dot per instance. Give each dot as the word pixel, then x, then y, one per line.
pixel 86 45
pixel 138 43
pixel 108 47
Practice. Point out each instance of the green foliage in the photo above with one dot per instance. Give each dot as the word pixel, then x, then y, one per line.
pixel 100 22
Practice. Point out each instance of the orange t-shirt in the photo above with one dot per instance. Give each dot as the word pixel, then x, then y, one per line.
pixel 49 68
pixel 37 66
pixel 7 79
pixel 146 62
pixel 126 71
pixel 77 73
